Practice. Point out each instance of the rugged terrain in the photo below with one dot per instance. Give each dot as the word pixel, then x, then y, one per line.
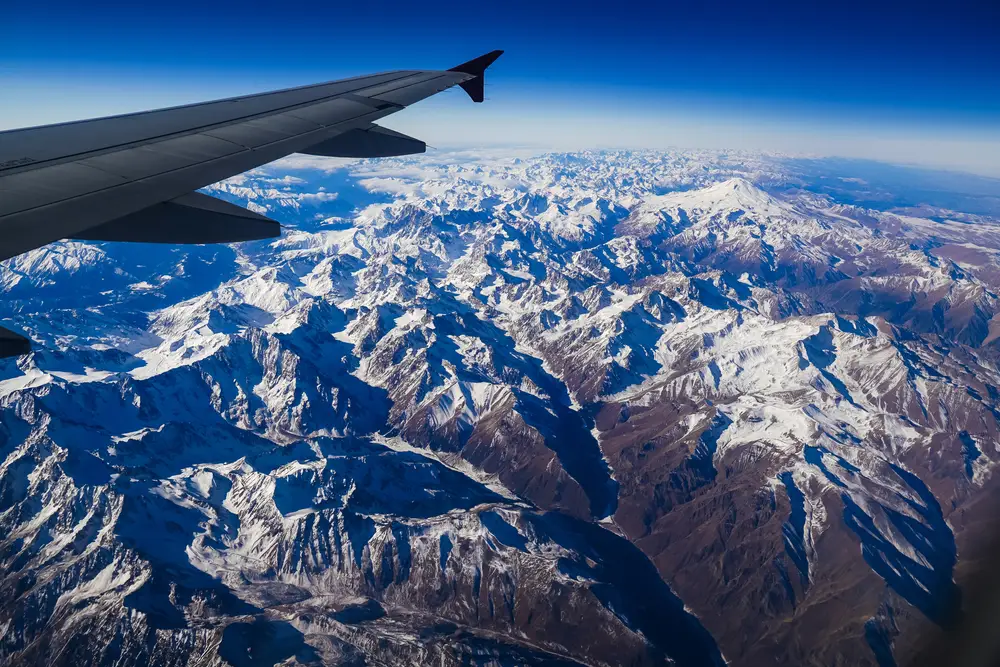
pixel 601 409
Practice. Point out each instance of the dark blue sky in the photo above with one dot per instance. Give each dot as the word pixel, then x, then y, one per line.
pixel 757 67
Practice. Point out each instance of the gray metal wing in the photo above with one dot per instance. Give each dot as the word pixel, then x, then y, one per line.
pixel 133 177
pixel 126 177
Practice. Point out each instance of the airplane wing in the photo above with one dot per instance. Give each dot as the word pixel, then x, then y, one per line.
pixel 133 177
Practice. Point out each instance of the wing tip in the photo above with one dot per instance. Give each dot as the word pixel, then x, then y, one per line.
pixel 477 66
pixel 475 87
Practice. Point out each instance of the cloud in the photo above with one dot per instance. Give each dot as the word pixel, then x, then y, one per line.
pixel 296 162
pixel 287 179
pixel 393 186
pixel 316 196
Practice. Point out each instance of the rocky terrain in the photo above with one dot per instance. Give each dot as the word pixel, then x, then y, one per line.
pixel 591 409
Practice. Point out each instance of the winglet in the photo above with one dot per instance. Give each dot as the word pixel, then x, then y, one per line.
pixel 477 68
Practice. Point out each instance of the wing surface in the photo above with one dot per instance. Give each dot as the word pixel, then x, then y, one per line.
pixel 59 181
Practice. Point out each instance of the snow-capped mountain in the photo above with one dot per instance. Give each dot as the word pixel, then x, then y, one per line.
pixel 601 409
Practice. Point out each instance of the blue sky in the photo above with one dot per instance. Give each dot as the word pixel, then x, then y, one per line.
pixel 904 83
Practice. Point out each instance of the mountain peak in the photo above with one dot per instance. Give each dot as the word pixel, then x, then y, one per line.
pixel 727 200
pixel 737 184
pixel 739 193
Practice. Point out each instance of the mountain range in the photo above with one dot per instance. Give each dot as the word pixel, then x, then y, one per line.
pixel 613 408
